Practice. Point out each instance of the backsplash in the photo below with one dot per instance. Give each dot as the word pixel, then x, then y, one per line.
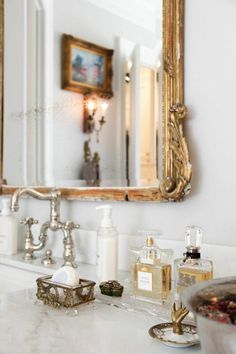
pixel 223 257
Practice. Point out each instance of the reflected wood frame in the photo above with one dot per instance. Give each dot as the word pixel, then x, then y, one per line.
pixel 177 170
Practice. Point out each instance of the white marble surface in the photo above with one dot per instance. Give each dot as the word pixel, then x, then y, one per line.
pixel 29 328
pixel 98 329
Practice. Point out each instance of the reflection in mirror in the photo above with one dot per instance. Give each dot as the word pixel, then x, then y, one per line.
pixel 142 155
pixel 45 138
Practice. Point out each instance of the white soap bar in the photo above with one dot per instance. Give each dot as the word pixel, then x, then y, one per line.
pixel 66 275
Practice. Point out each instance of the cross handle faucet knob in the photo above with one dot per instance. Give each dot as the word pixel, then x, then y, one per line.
pixel 29 221
pixel 70 225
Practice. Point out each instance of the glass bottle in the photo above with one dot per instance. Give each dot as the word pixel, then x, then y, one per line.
pixel 152 273
pixel 192 268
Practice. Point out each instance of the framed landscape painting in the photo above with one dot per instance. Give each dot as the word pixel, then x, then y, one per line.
pixel 86 67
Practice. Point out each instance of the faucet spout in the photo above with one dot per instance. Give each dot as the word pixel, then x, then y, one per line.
pixel 31 192
pixel 54 197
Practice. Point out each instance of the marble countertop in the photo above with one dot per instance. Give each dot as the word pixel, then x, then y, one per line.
pixel 29 327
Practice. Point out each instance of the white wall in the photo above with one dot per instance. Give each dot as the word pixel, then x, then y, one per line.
pixel 210 82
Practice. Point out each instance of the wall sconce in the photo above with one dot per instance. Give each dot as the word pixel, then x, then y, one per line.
pixel 128 70
pixel 91 124
pixel 127 78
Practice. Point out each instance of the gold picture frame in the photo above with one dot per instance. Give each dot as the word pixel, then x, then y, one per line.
pixel 86 67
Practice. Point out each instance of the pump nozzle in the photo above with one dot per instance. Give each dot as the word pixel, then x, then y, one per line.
pixel 107 213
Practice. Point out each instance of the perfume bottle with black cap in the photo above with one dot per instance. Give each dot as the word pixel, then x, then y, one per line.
pixel 192 269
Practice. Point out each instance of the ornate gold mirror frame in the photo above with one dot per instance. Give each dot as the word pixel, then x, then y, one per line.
pixel 176 178
pixel 1 88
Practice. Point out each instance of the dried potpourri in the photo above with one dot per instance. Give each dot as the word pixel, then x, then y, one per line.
pixel 222 310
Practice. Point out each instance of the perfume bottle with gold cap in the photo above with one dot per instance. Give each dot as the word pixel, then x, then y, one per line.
pixel 192 268
pixel 152 272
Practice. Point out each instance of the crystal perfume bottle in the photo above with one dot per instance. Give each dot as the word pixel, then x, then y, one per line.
pixel 192 268
pixel 152 273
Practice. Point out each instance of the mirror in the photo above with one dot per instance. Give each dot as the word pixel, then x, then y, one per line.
pixel 94 102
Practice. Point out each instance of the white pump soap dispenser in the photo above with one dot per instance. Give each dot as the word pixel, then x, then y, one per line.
pixel 8 229
pixel 107 246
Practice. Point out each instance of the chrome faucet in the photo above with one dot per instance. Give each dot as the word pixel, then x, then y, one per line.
pixel 54 197
pixel 53 224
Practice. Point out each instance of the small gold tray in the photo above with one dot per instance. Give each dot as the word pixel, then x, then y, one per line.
pixel 57 295
pixel 163 332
